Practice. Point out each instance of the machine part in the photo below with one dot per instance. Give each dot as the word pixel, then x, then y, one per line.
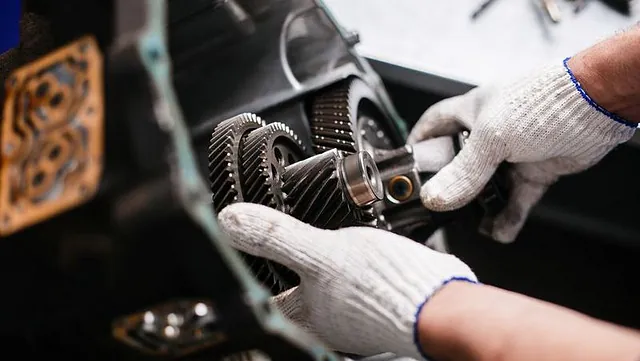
pixel 267 170
pixel 621 6
pixel 481 9
pixel 97 262
pixel 362 179
pixel 326 190
pixel 578 5
pixel 171 329
pixel 402 210
pixel 185 234
pixel 400 188
pixel 224 152
pixel 265 153
pixel 345 117
pixel 52 135
pixel 552 10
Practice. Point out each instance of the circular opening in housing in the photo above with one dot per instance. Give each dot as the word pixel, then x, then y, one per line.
pixel 400 188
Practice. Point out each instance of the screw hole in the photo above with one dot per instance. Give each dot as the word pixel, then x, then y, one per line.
pixel 56 100
pixel 55 152
pixel 400 188
pixel 38 178
pixel 42 89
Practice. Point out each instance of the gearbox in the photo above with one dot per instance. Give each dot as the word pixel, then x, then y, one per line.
pixel 354 175
pixel 127 124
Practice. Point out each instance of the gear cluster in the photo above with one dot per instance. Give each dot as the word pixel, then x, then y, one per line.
pixel 250 161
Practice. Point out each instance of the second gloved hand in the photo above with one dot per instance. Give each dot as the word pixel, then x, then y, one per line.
pixel 545 124
pixel 361 288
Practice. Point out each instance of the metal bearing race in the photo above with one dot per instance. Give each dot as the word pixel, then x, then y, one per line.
pixel 225 173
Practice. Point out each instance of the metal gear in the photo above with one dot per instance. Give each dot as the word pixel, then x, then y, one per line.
pixel 224 152
pixel 314 193
pixel 265 154
pixel 346 117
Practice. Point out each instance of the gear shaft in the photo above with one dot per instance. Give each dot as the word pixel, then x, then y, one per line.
pixel 325 190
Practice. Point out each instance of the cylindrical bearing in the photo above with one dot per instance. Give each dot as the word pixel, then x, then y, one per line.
pixel 362 179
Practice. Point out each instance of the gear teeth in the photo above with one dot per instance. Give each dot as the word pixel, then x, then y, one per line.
pixel 260 186
pixel 258 163
pixel 314 194
pixel 332 126
pixel 224 155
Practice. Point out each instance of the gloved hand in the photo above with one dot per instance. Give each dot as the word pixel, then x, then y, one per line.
pixel 361 288
pixel 545 123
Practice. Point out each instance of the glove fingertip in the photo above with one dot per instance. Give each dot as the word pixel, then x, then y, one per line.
pixel 431 198
pixel 505 235
pixel 250 226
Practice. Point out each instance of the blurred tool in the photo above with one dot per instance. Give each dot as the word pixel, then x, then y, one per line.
pixel 621 6
pixel 481 8
pixel 578 5
pixel 552 10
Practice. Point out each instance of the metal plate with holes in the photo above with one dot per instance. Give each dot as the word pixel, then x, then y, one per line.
pixel 52 135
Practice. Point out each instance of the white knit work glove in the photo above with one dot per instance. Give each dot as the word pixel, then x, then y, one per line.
pixel 361 288
pixel 545 124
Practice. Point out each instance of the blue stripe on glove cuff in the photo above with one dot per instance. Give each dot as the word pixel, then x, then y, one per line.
pixel 416 336
pixel 591 102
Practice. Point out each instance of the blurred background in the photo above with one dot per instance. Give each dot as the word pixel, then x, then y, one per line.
pixel 508 38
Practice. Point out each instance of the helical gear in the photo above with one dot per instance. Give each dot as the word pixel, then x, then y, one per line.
pixel 265 154
pixel 336 114
pixel 314 193
pixel 224 151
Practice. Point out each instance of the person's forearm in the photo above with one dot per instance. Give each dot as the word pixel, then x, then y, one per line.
pixel 465 321
pixel 610 73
